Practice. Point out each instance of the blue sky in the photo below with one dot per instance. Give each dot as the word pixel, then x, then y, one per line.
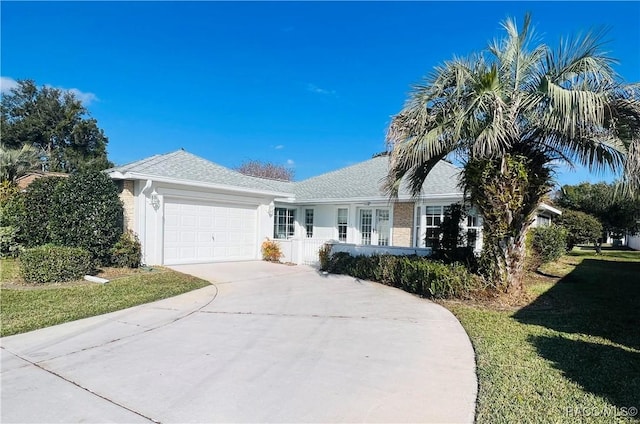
pixel 302 84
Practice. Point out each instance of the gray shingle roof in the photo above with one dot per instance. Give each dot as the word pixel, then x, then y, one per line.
pixel 362 180
pixel 182 165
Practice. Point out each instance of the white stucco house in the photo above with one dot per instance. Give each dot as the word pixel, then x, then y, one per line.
pixel 186 209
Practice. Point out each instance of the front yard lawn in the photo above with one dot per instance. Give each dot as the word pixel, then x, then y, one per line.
pixel 25 308
pixel 571 354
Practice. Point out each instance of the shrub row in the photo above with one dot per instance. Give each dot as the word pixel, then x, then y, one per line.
pixel 410 273
pixel 50 264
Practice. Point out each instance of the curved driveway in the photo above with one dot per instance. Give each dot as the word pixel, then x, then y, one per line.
pixel 265 343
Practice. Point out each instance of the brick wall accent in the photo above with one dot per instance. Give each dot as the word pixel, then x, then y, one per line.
pixel 126 196
pixel 403 224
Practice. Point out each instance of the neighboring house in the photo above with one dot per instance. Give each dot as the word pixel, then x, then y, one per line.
pixel 186 209
pixel 25 180
pixel 545 215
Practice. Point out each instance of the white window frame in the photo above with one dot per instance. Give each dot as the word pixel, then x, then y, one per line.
pixel 436 220
pixel 345 224
pixel 290 223
pixel 309 224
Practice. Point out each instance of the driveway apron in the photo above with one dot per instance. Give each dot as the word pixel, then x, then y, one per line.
pixel 264 343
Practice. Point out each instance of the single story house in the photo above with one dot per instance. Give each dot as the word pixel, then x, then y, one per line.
pixel 186 209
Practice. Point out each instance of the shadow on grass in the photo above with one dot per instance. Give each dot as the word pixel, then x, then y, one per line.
pixel 607 371
pixel 598 298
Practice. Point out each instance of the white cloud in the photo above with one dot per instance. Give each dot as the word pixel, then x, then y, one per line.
pixel 279 147
pixel 86 98
pixel 6 84
pixel 290 162
pixel 318 90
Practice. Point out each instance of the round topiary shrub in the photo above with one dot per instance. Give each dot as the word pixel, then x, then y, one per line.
pixel 87 213
pixel 549 243
pixel 54 264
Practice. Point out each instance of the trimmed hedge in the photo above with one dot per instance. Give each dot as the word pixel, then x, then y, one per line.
pixel 413 274
pixel 87 212
pixel 38 200
pixel 54 264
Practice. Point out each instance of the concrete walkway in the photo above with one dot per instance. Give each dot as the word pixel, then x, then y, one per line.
pixel 265 343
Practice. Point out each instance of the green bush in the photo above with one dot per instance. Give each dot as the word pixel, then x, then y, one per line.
pixel 127 252
pixel 11 205
pixel 34 224
pixel 581 227
pixel 548 243
pixel 271 251
pixel 87 213
pixel 53 264
pixel 9 246
pixel 324 253
pixel 413 274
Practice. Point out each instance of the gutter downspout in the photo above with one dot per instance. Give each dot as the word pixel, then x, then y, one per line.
pixel 143 227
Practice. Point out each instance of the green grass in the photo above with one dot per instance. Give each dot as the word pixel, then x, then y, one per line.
pixel 570 355
pixel 26 309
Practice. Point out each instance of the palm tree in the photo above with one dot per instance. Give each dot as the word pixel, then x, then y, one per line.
pixel 510 113
pixel 14 163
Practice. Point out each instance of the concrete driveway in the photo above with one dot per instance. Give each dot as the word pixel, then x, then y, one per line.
pixel 264 343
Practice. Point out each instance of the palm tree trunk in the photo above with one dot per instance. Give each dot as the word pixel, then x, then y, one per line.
pixel 514 263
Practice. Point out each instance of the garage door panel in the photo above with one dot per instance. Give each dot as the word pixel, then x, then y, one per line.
pixel 196 231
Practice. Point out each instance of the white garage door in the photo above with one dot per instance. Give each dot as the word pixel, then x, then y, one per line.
pixel 198 231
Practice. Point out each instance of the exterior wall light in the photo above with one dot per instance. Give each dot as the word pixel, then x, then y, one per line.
pixel 272 208
pixel 155 200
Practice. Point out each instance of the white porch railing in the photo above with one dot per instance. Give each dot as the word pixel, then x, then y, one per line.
pixel 301 250
pixel 305 250
pixel 368 250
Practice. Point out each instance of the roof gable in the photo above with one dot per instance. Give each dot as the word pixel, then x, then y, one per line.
pixel 187 167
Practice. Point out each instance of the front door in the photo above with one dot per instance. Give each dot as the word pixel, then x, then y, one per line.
pixel 375 227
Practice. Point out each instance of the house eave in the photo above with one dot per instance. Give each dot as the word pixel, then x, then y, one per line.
pixel 547 208
pixel 378 199
pixel 117 175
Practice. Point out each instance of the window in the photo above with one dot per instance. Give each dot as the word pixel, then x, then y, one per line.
pixel 473 221
pixel 543 221
pixel 308 222
pixel 384 229
pixel 472 237
pixel 433 218
pixel 474 226
pixel 433 215
pixel 342 224
pixel 366 225
pixel 284 223
pixel 417 230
